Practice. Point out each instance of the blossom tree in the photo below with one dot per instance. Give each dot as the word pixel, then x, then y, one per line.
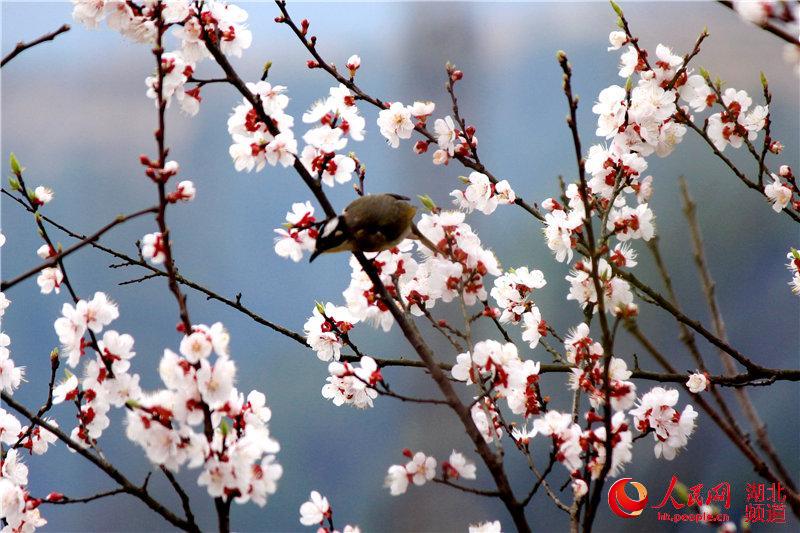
pixel 598 221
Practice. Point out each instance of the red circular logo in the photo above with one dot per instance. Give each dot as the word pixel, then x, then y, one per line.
pixel 621 504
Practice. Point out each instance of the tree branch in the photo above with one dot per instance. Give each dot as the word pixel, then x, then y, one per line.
pixel 54 261
pixel 22 46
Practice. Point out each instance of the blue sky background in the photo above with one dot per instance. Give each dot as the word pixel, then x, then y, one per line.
pixel 76 115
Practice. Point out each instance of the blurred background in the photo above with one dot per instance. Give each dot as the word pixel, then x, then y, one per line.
pixel 76 115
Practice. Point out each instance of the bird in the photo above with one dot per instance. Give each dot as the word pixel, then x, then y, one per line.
pixel 371 223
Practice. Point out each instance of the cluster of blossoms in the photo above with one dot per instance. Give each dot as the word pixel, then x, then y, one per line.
pixel 482 194
pixel 317 511
pixel 254 145
pixel 735 124
pixel 512 291
pixel 781 192
pixel 671 429
pixel 458 267
pixel 237 455
pixel 352 385
pixel 397 122
pixel 573 444
pixel 18 509
pixel 499 368
pixel 299 232
pixel 586 357
pixel 176 71
pixel 223 23
pixel 794 267
pixel 639 121
pixel 421 468
pixel 337 117
pixel 451 140
pixel 326 329
pixel 615 292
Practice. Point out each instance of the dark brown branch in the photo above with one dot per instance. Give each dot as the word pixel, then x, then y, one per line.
pixel 22 46
pixel 187 508
pixel 48 404
pixel 386 391
pixel 540 480
pixel 479 492
pixel 64 500
pixel 755 370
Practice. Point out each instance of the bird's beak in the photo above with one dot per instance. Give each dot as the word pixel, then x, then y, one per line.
pixel 314 256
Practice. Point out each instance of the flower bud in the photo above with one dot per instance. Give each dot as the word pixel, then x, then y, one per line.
pixel 15 166
pixel 420 147
pixel 427 202
pixel 353 63
pixel 265 71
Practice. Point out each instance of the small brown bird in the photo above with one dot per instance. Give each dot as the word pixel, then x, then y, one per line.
pixel 371 223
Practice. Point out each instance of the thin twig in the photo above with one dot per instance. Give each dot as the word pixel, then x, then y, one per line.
pixel 22 46
pixel 5 285
pixel 709 290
